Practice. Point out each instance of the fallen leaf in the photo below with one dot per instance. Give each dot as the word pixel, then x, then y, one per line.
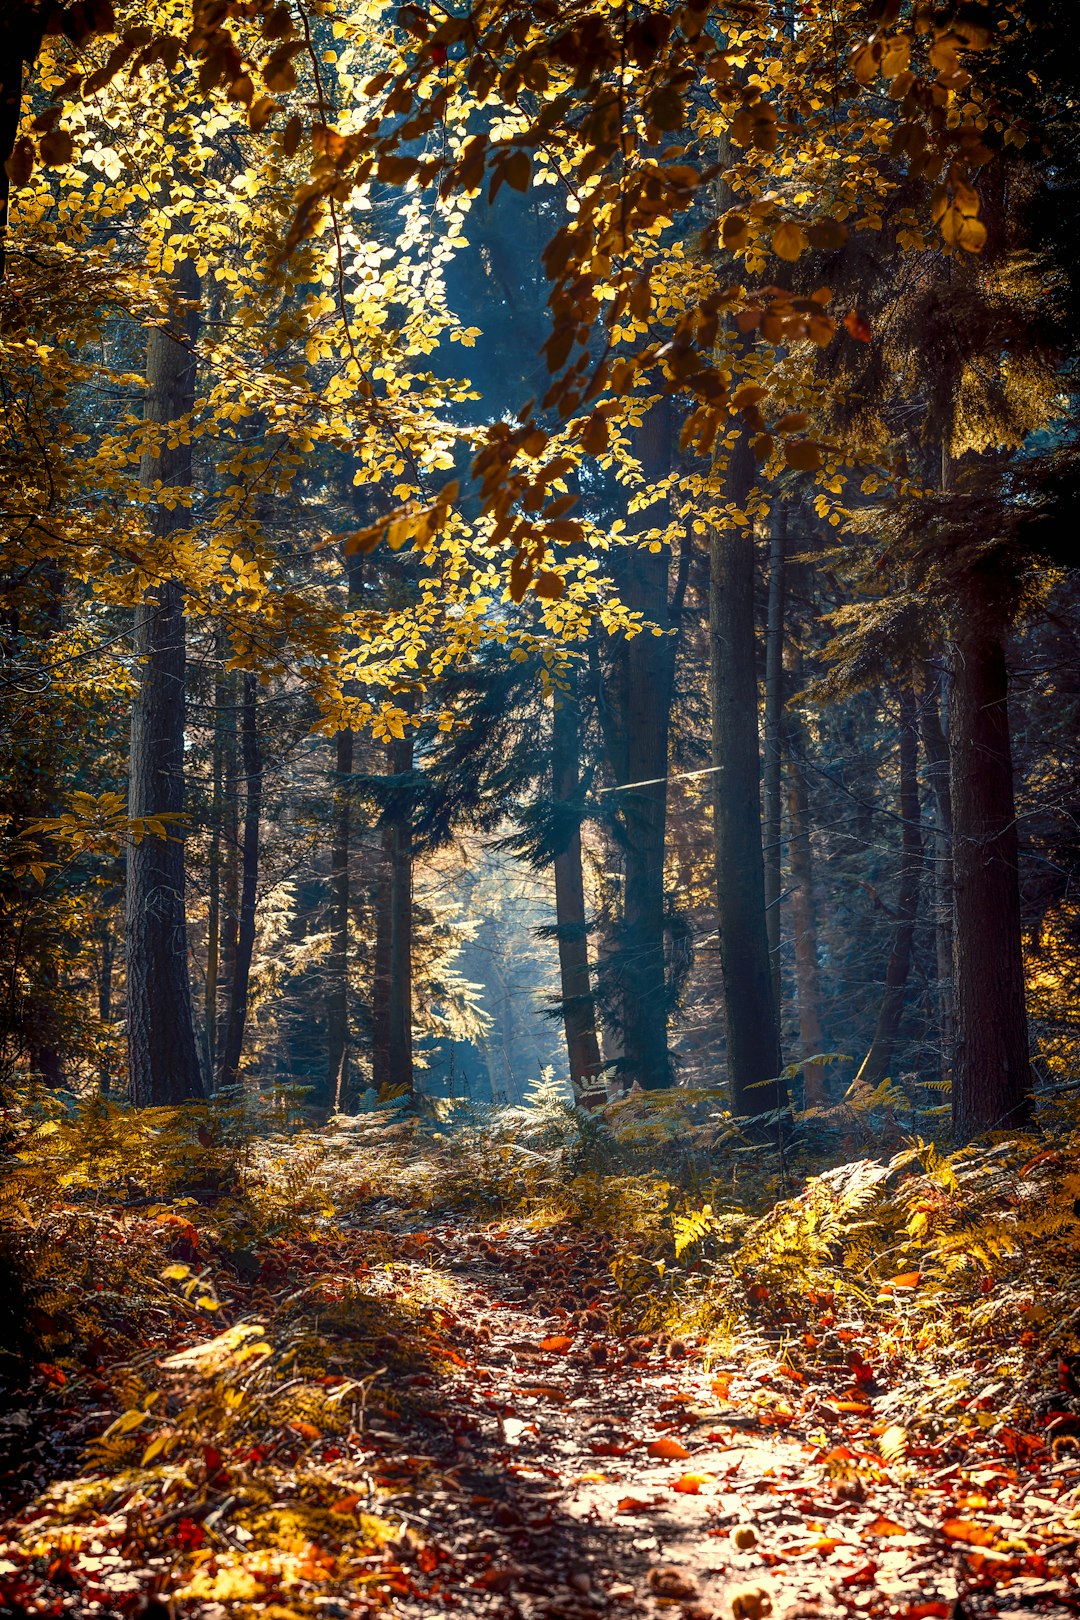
pixel 635 1504
pixel 668 1447
pixel 557 1343
pixel 886 1527
pixel 968 1531
pixel 690 1484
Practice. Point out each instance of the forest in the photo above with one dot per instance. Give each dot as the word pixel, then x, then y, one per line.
pixel 539 801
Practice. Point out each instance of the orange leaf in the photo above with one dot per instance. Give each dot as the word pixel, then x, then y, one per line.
pixel 886 1527
pixel 345 1504
pixel 307 1431
pixel 557 1343
pixel 673 1450
pixel 690 1484
pixel 634 1504
pixel 858 326
pixel 968 1531
pixel 906 1279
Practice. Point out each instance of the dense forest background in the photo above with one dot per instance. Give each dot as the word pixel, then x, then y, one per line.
pixel 321 769
pixel 539 788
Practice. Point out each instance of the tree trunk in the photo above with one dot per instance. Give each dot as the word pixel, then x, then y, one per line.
pixel 875 1066
pixel 579 1023
pixel 105 977
pixel 163 1057
pixel 380 979
pixel 230 833
pixel 401 899
pixel 213 918
pixel 936 750
pixel 337 967
pixel 636 724
pixel 804 932
pixel 992 1080
pixel 774 716
pixel 233 1044
pixel 750 1012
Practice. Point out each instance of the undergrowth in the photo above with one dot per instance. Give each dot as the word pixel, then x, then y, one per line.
pixel 229 1289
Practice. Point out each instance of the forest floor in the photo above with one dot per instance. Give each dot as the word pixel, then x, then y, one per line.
pixel 414 1410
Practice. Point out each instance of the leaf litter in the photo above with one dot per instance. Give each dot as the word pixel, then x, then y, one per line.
pixel 400 1405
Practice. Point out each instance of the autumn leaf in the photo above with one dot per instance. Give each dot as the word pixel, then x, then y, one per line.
pixel 803 455
pixel 635 1504
pixel 557 1344
pixel 789 240
pixel 690 1484
pixel 668 1447
pixel 883 1526
pixel 857 326
pixel 969 1531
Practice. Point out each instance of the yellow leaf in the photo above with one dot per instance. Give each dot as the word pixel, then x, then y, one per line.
pixel 789 240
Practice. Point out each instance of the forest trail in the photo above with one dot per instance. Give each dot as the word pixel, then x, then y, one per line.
pixel 420 1414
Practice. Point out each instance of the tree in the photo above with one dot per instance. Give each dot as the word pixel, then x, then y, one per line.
pixel 163 1058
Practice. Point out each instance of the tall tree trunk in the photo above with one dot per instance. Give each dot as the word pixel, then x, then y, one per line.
pixel 579 1023
pixel 750 1010
pixel 401 903
pixel 163 1057
pixel 230 834
pixel 804 929
pixel 107 947
pixel 774 717
pixel 213 918
pixel 992 1080
pixel 636 723
pixel 936 750
pixel 380 979
pixel 337 966
pixel 251 753
pixel 875 1066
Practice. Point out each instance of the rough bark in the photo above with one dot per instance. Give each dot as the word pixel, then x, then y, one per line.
pixel 804 932
pixel 876 1064
pixel 251 755
pixel 636 715
pixel 992 1080
pixel 401 901
pixel 579 1023
pixel 750 1011
pixel 936 751
pixel 337 965
pixel 213 918
pixel 771 773
pixel 380 979
pixel 163 1057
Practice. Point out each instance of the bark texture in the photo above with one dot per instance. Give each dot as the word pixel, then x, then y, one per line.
pixel 163 1058
pixel 992 1079
pixel 804 931
pixel 753 1037
pixel 579 1021
pixel 774 714
pixel 251 754
pixel 875 1066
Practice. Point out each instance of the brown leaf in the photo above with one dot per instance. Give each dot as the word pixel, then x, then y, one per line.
pixel 635 1504
pixel 802 454
pixel 669 1448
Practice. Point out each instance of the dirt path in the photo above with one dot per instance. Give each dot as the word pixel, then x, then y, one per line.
pixel 589 1471
pixel 421 1419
